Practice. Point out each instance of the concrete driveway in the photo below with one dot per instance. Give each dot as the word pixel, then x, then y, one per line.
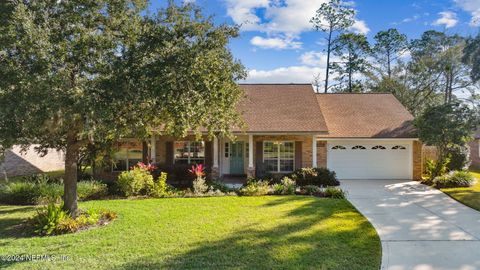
pixel 420 227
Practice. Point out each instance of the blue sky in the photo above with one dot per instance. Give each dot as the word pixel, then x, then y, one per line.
pixel 277 43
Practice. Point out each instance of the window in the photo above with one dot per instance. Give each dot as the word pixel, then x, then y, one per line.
pixel 227 150
pixel 377 147
pixel 339 147
pixel 398 147
pixel 189 152
pixel 356 147
pixel 279 156
pixel 126 157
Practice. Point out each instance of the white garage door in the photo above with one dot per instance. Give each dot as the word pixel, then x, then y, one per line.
pixel 370 159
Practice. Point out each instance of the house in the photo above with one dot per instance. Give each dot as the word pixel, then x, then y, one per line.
pixel 289 126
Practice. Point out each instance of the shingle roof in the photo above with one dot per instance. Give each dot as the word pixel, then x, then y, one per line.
pixel 281 108
pixel 365 116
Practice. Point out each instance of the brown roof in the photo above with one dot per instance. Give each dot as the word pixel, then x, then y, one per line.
pixel 365 116
pixel 281 108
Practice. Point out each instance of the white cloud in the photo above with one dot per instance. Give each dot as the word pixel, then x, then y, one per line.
pixel 360 27
pixel 288 16
pixel 447 18
pixel 291 74
pixel 275 43
pixel 473 7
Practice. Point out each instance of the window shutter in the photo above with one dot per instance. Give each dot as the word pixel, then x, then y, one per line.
pixel 259 156
pixel 208 155
pixel 298 155
pixel 168 153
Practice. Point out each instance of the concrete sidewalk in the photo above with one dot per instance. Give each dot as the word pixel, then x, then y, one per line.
pixel 420 228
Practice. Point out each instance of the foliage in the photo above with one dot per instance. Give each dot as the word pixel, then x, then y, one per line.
pixel 445 126
pixel 310 190
pixel 134 182
pixel 334 193
pixel 321 177
pixel 333 16
pixel 53 220
pixel 76 73
pixel 146 166
pixel 432 165
pixel 200 183
pixel 472 57
pixel 255 188
pixel 469 196
pixel 41 192
pixel 160 187
pixel 458 157
pixel 454 179
pixel 285 187
pixel 352 50
pixel 389 46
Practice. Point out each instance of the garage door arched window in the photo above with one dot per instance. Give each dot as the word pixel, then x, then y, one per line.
pixel 359 147
pixel 339 147
pixel 379 147
pixel 398 147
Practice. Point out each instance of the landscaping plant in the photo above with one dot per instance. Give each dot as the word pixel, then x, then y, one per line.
pixel 137 181
pixel 321 177
pixel 454 179
pixel 199 184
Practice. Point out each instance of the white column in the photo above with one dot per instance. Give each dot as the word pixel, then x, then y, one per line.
pixel 215 152
pixel 314 151
pixel 250 151
pixel 153 149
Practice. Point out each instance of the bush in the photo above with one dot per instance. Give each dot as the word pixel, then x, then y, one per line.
pixel 334 192
pixel 311 190
pixel 286 187
pixel 255 188
pixel 134 182
pixel 454 179
pixel 53 220
pixel 321 177
pixel 459 157
pixel 430 167
pixel 91 190
pixel 160 187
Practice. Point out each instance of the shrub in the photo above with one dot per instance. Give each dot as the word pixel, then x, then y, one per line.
pixel 321 177
pixel 48 219
pixel 334 192
pixel 91 190
pixel 285 187
pixel 454 179
pixel 459 157
pixel 160 186
pixel 200 183
pixel 54 220
pixel 310 190
pixel 430 167
pixel 137 181
pixel 255 188
pixel 221 186
pixel 277 189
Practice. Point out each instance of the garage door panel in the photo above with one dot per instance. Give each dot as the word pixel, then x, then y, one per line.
pixel 370 163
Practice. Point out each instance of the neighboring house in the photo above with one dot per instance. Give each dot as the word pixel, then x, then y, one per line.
pixel 359 136
pixel 475 151
pixel 30 162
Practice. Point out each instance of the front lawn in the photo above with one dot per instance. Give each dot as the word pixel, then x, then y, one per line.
pixel 469 196
pixel 289 232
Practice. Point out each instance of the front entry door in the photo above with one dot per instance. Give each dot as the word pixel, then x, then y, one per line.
pixel 236 158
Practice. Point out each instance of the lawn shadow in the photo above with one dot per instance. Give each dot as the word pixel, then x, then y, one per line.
pixel 299 244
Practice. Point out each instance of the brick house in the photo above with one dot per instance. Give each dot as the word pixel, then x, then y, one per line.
pixel 359 136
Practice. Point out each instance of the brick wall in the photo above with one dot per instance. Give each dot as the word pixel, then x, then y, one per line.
pixel 322 154
pixel 18 163
pixel 417 160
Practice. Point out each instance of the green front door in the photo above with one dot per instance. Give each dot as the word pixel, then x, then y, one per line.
pixel 236 158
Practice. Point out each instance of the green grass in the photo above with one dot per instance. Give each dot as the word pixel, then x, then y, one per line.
pixel 289 232
pixel 469 196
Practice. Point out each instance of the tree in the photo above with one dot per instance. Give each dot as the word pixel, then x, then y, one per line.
pixel 472 57
pixel 445 126
pixel 74 73
pixel 332 17
pixel 352 49
pixel 389 45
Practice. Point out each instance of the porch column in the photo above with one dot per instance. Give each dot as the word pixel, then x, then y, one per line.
pixel 215 169
pixel 251 168
pixel 153 149
pixel 314 151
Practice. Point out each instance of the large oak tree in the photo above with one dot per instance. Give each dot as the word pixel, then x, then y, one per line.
pixel 80 72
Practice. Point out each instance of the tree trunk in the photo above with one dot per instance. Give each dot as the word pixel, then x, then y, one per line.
pixel 389 67
pixel 70 181
pixel 350 72
pixel 329 46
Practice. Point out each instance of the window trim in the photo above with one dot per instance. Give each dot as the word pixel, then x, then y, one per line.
pixel 359 147
pixel 279 158
pixel 189 148
pixel 379 147
pixel 339 147
pixel 399 147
